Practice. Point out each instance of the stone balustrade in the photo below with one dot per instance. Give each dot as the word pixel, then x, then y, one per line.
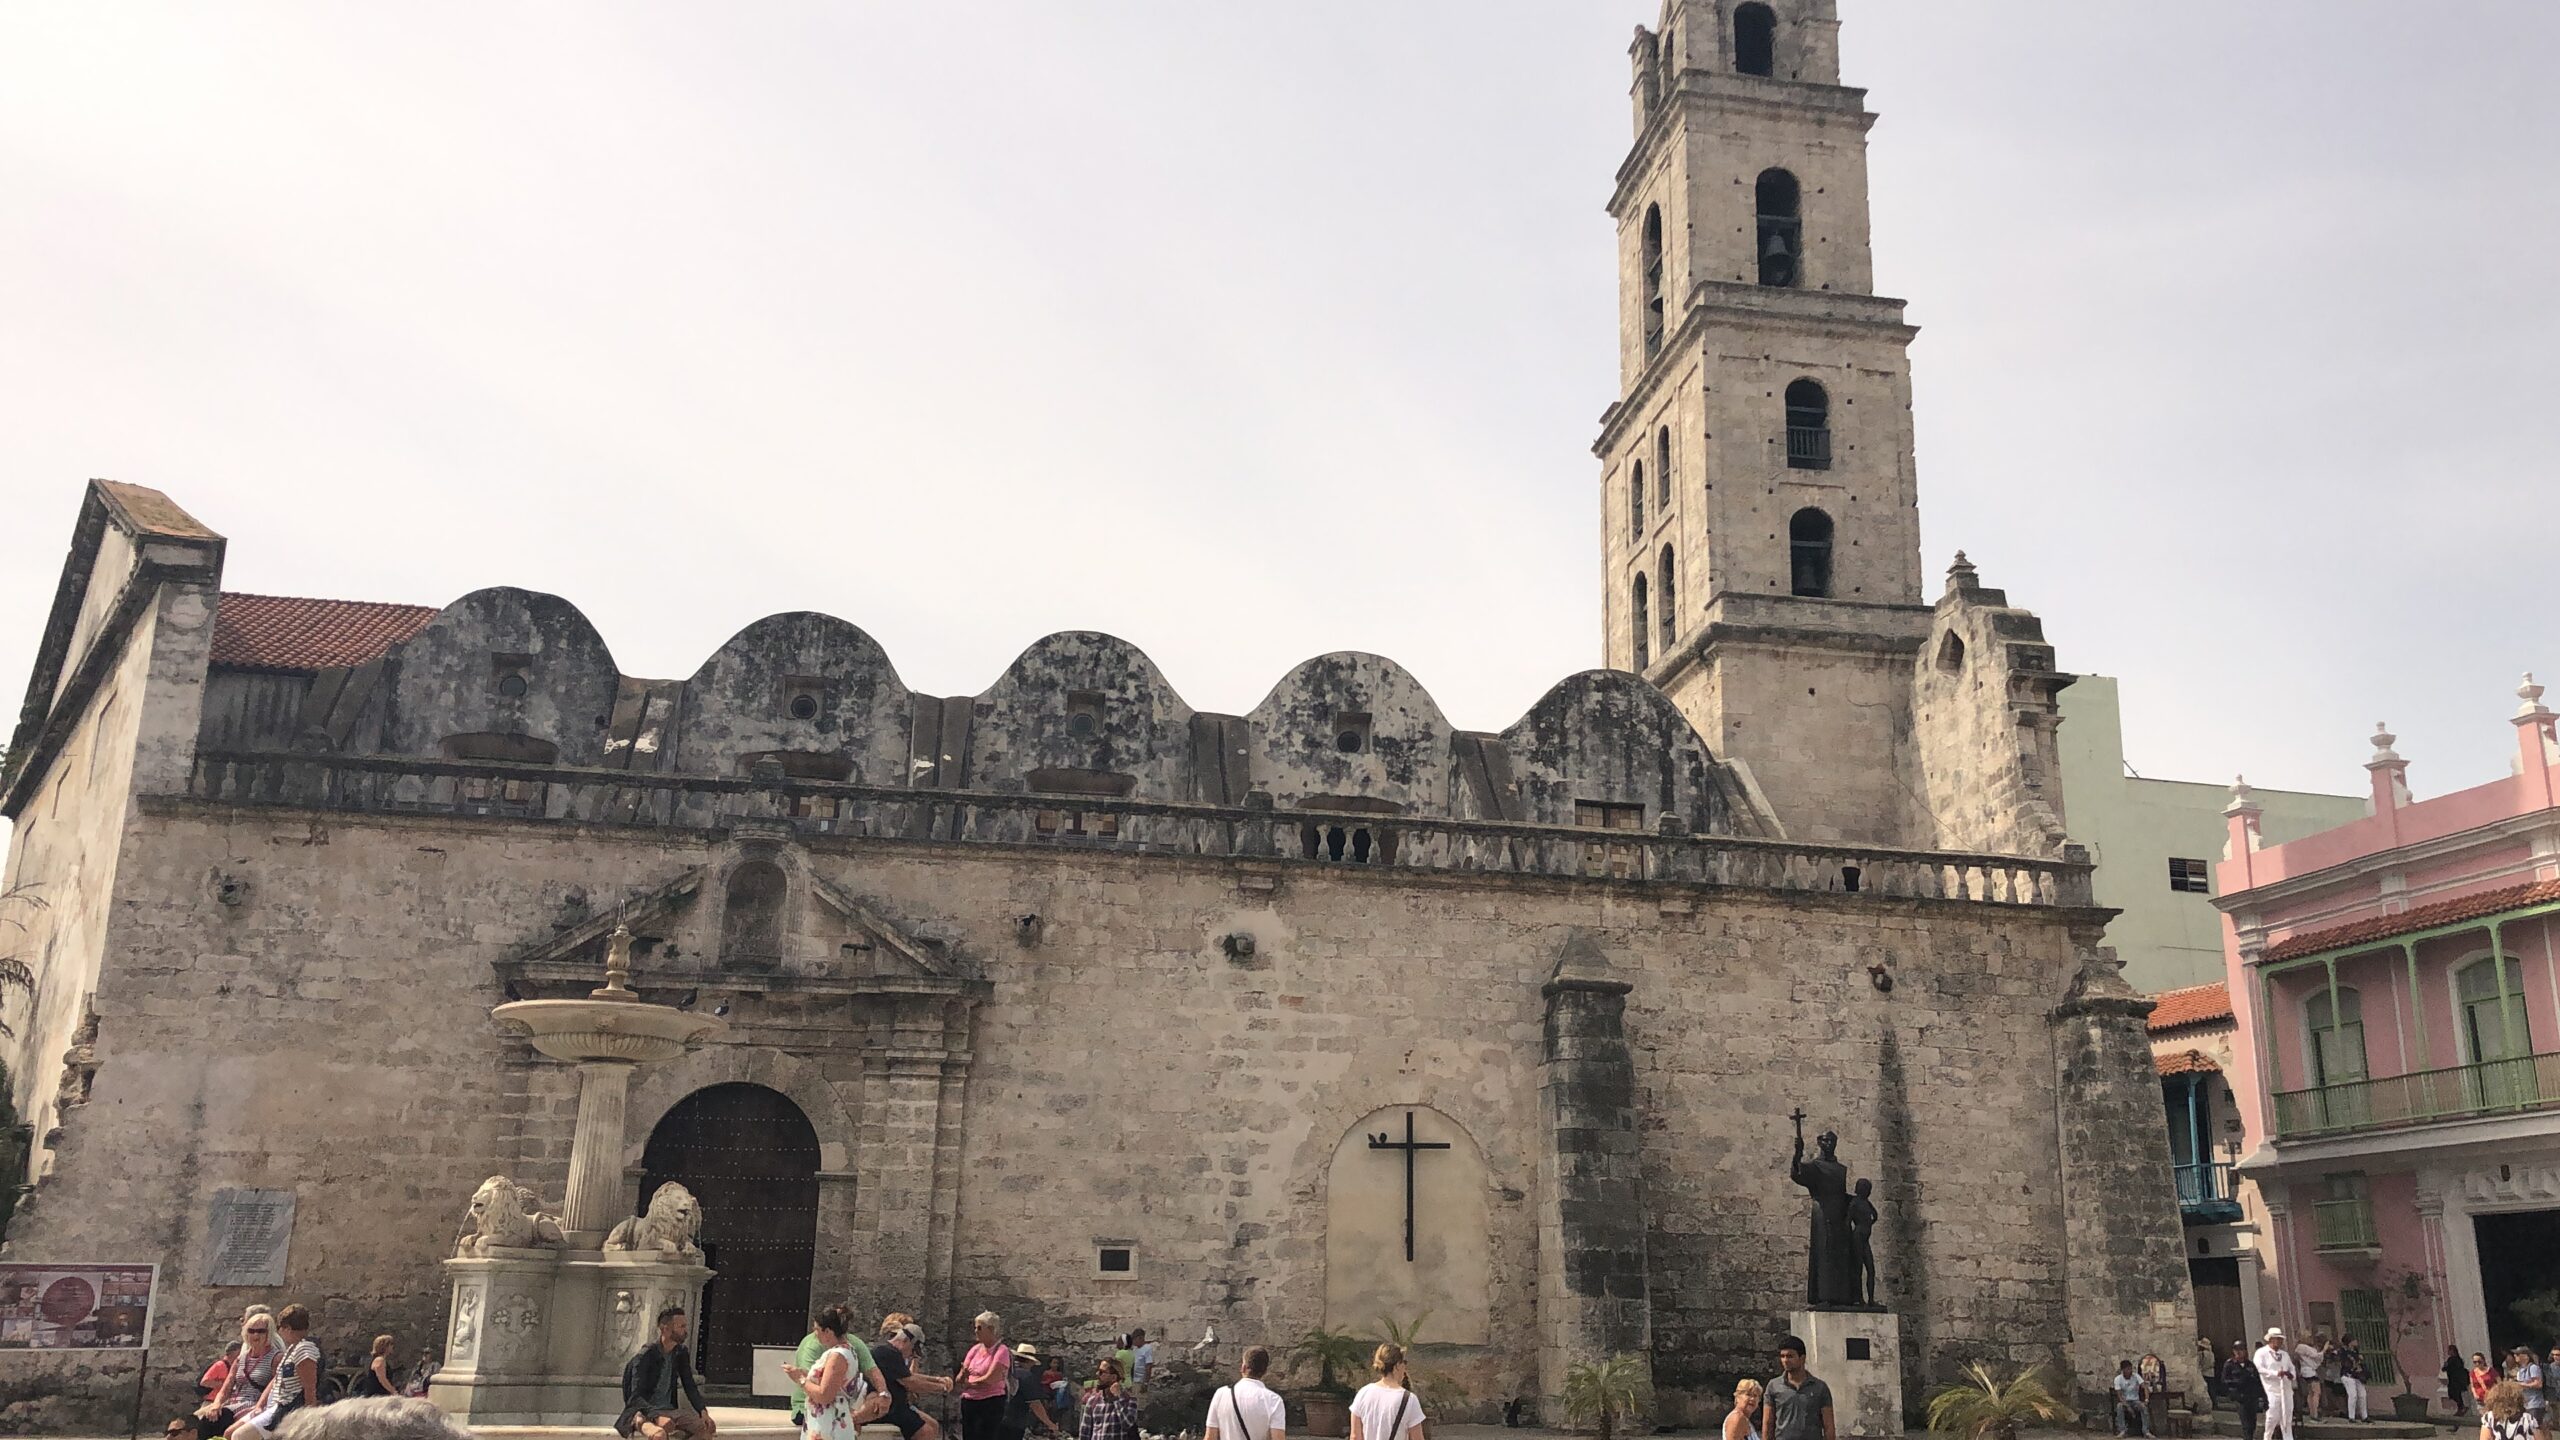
pixel 1255 831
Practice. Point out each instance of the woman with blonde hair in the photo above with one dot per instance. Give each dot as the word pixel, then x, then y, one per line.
pixel 1386 1408
pixel 1744 1421
pixel 2502 1414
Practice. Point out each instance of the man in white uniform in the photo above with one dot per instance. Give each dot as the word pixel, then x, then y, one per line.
pixel 2279 1374
pixel 1248 1409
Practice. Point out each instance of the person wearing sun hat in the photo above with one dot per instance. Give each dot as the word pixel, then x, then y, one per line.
pixel 2278 1372
pixel 1026 1401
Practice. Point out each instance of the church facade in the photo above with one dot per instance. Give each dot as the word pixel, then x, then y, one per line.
pixel 1069 1001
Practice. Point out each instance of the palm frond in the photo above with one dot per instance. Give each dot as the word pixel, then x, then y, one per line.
pixel 1982 1406
pixel 1605 1393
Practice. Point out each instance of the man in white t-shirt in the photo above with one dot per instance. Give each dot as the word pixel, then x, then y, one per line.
pixel 1248 1409
pixel 2278 1374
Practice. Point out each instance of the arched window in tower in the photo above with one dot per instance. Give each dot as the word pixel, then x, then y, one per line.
pixel 1809 553
pixel 1635 501
pixel 1755 39
pixel 1643 627
pixel 1808 426
pixel 1662 469
pixel 1670 605
pixel 1669 56
pixel 1652 260
pixel 1781 239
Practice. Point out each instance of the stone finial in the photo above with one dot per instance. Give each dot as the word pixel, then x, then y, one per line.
pixel 2383 754
pixel 617 966
pixel 2529 700
pixel 2244 801
pixel 1962 576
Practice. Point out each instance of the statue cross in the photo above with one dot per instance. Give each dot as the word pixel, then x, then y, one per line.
pixel 1409 1146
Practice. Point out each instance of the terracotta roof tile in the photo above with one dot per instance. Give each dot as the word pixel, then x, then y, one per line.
pixel 2424 917
pixel 283 632
pixel 2195 1005
pixel 2185 1062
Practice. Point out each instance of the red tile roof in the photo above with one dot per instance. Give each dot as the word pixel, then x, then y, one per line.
pixel 2424 917
pixel 283 632
pixel 2195 1005
pixel 2186 1062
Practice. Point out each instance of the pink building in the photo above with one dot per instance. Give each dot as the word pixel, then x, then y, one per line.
pixel 2397 1056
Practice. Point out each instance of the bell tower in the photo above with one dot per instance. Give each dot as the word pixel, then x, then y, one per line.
pixel 1759 516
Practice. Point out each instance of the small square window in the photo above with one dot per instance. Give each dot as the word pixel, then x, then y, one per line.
pixel 803 697
pixel 1117 1260
pixel 2188 877
pixel 1084 714
pixel 511 675
pixel 1596 815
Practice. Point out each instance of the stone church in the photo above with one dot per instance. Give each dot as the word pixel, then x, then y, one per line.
pixel 1069 1001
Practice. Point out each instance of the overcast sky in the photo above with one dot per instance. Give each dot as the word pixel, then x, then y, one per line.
pixel 1251 332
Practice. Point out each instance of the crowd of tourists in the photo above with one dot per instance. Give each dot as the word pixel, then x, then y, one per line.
pixel 2281 1381
pixel 272 1371
pixel 273 1384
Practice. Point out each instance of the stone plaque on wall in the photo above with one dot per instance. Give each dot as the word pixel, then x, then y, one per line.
pixel 249 1233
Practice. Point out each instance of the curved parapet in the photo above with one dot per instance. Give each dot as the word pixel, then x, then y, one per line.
pixel 1352 727
pixel 503 674
pixel 808 691
pixel 1604 747
pixel 1083 713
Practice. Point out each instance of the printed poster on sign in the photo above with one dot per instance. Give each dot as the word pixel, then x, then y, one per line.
pixel 76 1307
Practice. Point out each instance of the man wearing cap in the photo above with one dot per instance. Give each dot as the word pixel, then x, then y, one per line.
pixel 2278 1374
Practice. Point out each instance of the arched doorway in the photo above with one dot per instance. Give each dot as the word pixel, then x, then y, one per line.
pixel 751 1158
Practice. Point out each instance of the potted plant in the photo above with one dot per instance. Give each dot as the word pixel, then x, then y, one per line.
pixel 1983 1407
pixel 1328 1406
pixel 2408 1310
pixel 1601 1393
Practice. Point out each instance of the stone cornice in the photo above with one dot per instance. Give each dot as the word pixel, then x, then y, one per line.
pixel 1713 94
pixel 1765 309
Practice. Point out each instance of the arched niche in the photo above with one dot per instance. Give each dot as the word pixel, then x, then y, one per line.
pixel 1368 1278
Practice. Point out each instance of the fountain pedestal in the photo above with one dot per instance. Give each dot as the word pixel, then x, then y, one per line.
pixel 539 1337
pixel 537 1333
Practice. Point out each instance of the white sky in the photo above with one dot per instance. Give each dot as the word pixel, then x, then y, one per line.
pixel 1251 332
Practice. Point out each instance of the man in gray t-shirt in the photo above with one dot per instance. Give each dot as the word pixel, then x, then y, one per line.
pixel 1796 1405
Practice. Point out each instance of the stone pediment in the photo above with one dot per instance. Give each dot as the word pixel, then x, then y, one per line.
pixel 884 951
pixel 841 944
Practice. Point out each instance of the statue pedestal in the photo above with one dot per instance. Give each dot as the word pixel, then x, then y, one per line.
pixel 1858 1353
pixel 539 1336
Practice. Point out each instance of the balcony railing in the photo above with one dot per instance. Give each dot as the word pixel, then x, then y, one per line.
pixel 2344 1224
pixel 564 795
pixel 1809 447
pixel 2495 1087
pixel 2206 1190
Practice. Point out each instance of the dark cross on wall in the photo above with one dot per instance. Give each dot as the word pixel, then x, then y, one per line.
pixel 1409 1146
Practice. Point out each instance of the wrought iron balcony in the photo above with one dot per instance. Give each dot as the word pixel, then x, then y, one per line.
pixel 2206 1191
pixel 2344 1224
pixel 2457 1092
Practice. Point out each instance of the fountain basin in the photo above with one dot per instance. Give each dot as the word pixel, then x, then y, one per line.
pixel 579 1031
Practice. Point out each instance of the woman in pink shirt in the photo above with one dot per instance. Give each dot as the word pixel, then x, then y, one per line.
pixel 985 1378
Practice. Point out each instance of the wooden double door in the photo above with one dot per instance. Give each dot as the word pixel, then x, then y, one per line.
pixel 750 1157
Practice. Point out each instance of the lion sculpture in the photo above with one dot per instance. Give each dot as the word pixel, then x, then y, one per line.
pixel 672 1225
pixel 505 1216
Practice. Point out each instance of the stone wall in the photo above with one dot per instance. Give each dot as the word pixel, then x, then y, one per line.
pixel 2126 1269
pixel 1013 1055
pixel 1987 772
